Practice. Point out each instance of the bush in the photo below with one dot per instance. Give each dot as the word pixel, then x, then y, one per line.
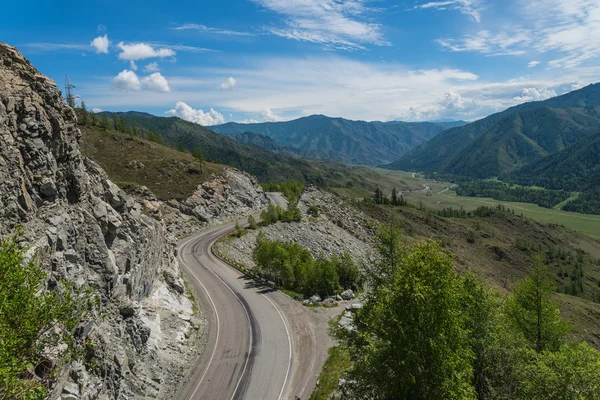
pixel 34 320
pixel 293 267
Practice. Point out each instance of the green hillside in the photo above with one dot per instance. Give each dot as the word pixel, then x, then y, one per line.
pixel 504 142
pixel 357 142
pixel 267 166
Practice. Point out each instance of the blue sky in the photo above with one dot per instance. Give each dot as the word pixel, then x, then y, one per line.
pixel 270 60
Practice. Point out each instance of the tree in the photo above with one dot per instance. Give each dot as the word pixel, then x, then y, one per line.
pixel 115 122
pixel 534 313
pixel 252 223
pixel 394 200
pixel 411 339
pixel 94 119
pixel 84 114
pixel 197 154
pixel 105 124
pixel 35 324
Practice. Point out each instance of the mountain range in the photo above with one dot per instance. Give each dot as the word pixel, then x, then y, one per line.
pixel 254 153
pixel 356 142
pixel 504 142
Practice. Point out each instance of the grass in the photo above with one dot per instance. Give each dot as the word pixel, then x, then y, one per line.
pixel 168 173
pixel 412 186
pixel 336 364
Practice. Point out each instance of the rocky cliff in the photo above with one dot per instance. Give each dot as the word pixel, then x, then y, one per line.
pixel 86 230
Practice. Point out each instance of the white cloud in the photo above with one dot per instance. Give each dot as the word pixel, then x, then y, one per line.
pixel 269 116
pixel 156 82
pixel 187 113
pixel 343 24
pixel 141 51
pixel 100 44
pixel 132 65
pixel 249 121
pixel 96 110
pixel 152 67
pixel 45 46
pixel 471 8
pixel 346 87
pixel 229 84
pixel 533 64
pixel 208 29
pixel 566 29
pixel 500 44
pixel 127 80
pixel 535 94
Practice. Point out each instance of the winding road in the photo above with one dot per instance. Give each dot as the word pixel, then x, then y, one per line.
pixel 261 344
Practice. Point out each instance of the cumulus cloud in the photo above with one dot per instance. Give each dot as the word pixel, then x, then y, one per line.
pixel 269 116
pixel 132 65
pixel 127 80
pixel 96 110
pixel 450 103
pixel 152 67
pixel 100 44
pixel 156 82
pixel 533 64
pixel 229 84
pixel 141 51
pixel 533 94
pixel 183 111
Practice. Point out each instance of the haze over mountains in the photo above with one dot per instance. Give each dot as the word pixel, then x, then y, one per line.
pixel 506 141
pixel 356 142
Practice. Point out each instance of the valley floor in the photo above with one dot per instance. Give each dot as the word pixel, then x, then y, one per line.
pixel 439 195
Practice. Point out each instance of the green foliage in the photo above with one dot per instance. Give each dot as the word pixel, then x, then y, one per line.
pixel 292 266
pixel 532 310
pixel 571 373
pixel 586 203
pixel 104 122
pixel 425 332
pixel 291 190
pixel 275 213
pixel 252 223
pixel 411 339
pixel 34 321
pixel 503 192
pixel 153 137
pixel 197 154
pixel 313 210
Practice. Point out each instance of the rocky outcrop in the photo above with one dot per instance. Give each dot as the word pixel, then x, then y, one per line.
pixel 338 228
pixel 86 230
pixel 235 193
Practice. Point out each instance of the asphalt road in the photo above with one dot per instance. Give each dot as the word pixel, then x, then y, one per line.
pixel 253 350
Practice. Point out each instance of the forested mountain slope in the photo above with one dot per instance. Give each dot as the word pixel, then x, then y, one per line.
pixel 506 141
pixel 358 142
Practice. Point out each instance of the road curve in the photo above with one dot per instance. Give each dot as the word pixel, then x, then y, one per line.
pixel 252 351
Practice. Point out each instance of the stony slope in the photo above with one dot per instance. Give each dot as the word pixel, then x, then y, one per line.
pixel 357 142
pixel 85 229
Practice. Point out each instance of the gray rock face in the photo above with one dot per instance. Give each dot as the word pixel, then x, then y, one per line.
pixel 347 294
pixel 236 193
pixel 86 230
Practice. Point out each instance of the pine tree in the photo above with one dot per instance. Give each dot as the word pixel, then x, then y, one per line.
pixel 105 122
pixel 84 114
pixel 394 197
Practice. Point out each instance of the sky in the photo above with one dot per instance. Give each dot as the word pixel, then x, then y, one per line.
pixel 218 61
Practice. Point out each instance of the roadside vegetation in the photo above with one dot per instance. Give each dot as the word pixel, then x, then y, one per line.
pixel 428 332
pixel 291 190
pixel 274 214
pixel 292 267
pixel 38 327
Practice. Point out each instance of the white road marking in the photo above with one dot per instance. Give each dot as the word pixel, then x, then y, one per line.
pixel 287 332
pixel 212 303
